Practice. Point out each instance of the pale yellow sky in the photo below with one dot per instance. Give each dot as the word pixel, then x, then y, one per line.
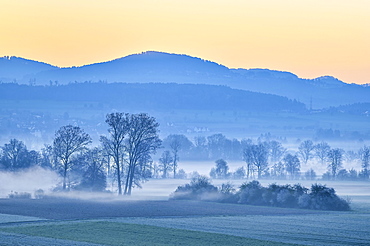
pixel 310 38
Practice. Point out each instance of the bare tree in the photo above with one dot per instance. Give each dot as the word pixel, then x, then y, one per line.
pixel 305 150
pixel 94 178
pixel 278 170
pixel 321 151
pixel 248 158
pixel 176 143
pixel 48 159
pixel 257 155
pixel 114 145
pixel 239 173
pixel 15 155
pixel 68 141
pixel 335 158
pixel 222 169
pixel 166 160
pixel 365 159
pixel 292 165
pixel 142 139
pixel 144 169
pixel 276 150
pixel 310 174
pixel 352 156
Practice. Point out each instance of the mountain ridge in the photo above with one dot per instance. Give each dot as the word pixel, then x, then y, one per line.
pixel 150 53
pixel 160 67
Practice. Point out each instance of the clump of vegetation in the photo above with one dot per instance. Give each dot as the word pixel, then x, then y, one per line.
pixel 20 195
pixel 323 198
pixel 200 188
pixel 319 197
pixel 39 194
pixel 274 195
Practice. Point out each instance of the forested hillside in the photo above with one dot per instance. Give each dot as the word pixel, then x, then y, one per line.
pixel 159 67
pixel 154 96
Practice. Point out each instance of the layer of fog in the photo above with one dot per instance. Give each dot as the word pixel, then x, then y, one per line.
pixel 27 181
pixel 160 189
pixel 204 167
pixel 157 189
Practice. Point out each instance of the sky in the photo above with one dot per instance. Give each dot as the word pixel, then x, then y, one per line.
pixel 310 38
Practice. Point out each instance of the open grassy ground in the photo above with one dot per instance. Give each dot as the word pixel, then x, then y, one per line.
pixel 314 229
pixel 70 209
pixel 78 222
pixel 114 233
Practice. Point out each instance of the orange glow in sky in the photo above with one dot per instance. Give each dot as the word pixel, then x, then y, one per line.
pixel 310 38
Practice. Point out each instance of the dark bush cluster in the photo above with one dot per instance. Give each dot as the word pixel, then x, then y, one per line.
pixel 20 195
pixel 323 198
pixel 319 197
pixel 200 188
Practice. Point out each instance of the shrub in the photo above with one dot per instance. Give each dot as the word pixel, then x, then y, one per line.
pixel 21 195
pixel 324 198
pixel 320 197
pixel 39 194
pixel 227 193
pixel 200 188
pixel 251 193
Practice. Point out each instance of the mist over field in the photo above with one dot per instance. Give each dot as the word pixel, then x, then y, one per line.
pixel 29 181
pixel 177 145
pixel 216 110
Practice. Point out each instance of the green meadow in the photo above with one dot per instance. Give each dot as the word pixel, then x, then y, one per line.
pixel 262 228
pixel 115 233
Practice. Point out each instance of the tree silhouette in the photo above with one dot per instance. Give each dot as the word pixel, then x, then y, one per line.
pixel 142 140
pixel 114 145
pixel 68 141
pixel 166 160
pixel 335 158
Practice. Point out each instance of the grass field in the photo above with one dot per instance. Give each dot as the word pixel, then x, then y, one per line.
pixel 114 233
pixel 160 222
pixel 322 229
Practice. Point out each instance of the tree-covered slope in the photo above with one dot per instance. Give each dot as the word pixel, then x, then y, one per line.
pixel 159 67
pixel 154 96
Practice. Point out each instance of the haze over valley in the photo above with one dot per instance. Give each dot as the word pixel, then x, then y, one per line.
pixel 154 135
pixel 186 94
pixel 184 122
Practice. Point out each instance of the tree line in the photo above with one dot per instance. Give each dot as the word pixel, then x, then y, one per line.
pixel 125 156
pixel 269 159
pixel 266 157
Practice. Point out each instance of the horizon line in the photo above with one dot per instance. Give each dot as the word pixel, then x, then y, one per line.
pixel 172 53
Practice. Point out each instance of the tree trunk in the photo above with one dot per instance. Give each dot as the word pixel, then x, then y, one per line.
pixel 116 160
pixel 174 170
pixel 174 165
pixel 259 172
pixel 127 180
pixel 119 180
pixel 65 176
pixel 248 169
pixel 132 174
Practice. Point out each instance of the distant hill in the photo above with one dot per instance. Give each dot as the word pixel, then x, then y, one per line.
pixel 16 69
pixel 146 67
pixel 161 67
pixel 153 96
